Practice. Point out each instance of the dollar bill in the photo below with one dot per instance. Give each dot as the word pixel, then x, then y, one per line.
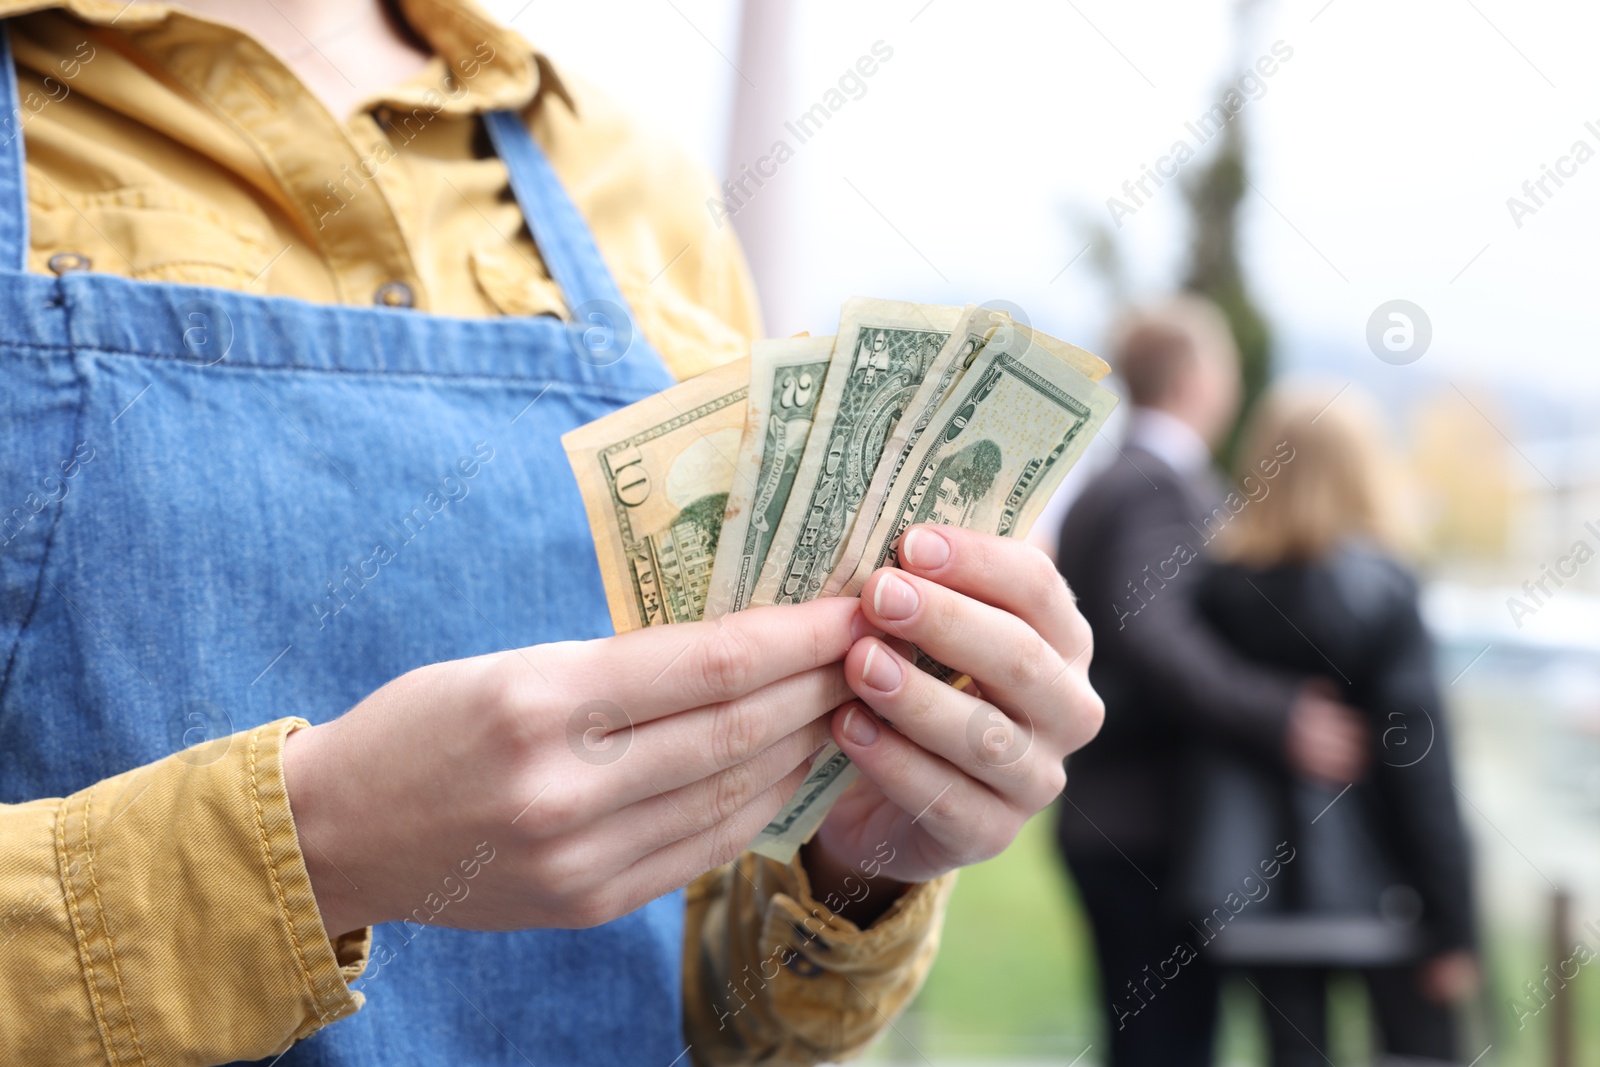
pixel 655 479
pixel 995 451
pixel 1085 363
pixel 786 384
pixel 976 326
pixel 883 351
pixel 963 346
pixel 830 775
pixel 793 474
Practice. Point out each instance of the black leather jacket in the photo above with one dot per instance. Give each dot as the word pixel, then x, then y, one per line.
pixel 1353 619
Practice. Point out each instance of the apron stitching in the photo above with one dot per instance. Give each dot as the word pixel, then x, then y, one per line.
pixel 576 385
pixel 49 546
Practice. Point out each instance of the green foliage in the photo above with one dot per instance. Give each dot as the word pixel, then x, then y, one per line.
pixel 1015 974
pixel 1215 271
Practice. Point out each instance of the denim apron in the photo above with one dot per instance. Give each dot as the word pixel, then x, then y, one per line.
pixel 218 509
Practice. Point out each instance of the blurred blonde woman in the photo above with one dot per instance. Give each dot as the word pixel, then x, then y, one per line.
pixel 1307 577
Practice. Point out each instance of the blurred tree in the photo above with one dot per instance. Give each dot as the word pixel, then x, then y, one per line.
pixel 1105 256
pixel 1213 193
pixel 1214 271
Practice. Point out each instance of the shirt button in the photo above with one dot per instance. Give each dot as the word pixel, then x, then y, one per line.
pixel 394 295
pixel 62 262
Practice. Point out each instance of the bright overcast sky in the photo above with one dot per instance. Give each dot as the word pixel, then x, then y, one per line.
pixel 1383 150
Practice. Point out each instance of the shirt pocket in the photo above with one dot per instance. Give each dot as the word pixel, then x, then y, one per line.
pixel 512 283
pixel 147 233
pixel 690 338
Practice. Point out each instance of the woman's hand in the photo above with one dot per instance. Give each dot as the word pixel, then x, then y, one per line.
pixel 1451 977
pixel 565 784
pixel 1326 741
pixel 957 774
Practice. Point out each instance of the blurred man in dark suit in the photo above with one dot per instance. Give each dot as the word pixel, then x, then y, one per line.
pixel 1131 549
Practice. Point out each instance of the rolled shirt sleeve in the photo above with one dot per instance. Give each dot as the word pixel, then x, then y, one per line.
pixel 774 977
pixel 165 916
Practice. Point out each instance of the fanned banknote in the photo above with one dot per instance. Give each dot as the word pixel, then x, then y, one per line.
pixel 792 475
pixel 655 478
pixel 995 451
pixel 883 351
pixel 786 380
pixel 962 347
pixel 997 448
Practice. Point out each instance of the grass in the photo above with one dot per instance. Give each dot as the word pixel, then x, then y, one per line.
pixel 1015 980
pixel 1015 976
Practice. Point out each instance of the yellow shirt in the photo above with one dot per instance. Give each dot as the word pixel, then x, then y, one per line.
pixel 182 929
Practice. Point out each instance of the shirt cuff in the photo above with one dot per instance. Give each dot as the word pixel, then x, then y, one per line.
pixel 905 926
pixel 823 988
pixel 198 933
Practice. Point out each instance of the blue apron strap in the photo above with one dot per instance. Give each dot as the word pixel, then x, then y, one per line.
pixel 13 186
pixel 560 233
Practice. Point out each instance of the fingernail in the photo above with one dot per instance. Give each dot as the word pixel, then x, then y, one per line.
pixel 894 598
pixel 858 728
pixel 880 670
pixel 860 627
pixel 925 550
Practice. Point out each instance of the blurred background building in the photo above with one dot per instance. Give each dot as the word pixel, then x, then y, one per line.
pixel 1030 152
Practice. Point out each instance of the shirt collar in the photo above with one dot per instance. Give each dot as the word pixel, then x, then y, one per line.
pixel 1168 438
pixel 471 49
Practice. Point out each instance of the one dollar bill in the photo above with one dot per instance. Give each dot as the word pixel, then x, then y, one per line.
pixel 994 452
pixel 963 346
pixel 997 448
